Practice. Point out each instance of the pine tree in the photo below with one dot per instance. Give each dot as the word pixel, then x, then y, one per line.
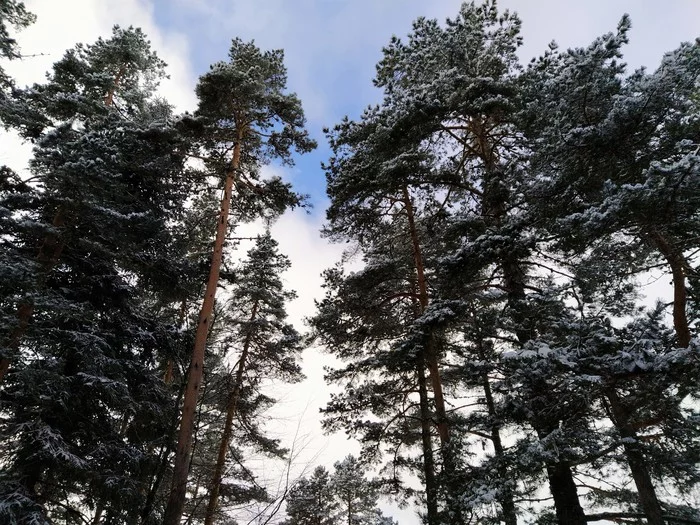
pixel 356 496
pixel 434 145
pixel 623 172
pixel 344 497
pixel 367 320
pixel 244 119
pixel 267 344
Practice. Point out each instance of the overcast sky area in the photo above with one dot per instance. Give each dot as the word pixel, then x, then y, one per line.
pixel 331 48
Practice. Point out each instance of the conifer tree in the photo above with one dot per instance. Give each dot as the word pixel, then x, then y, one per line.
pixel 367 320
pixel 356 496
pixel 243 120
pixel 82 400
pixel 81 89
pixel 345 497
pixel 624 172
pixel 267 344
pixel 13 16
pixel 311 501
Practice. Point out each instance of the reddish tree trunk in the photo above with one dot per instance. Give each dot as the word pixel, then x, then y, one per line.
pixel 178 488
pixel 424 298
pixel 109 96
pixel 674 258
pixel 431 356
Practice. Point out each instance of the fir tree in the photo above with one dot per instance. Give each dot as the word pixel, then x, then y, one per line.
pixel 82 400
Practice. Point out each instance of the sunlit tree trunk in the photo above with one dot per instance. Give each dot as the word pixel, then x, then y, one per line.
pixel 178 488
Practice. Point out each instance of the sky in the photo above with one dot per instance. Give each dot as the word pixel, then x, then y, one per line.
pixel 331 48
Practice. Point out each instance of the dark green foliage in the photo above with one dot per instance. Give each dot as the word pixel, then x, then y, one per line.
pixel 246 95
pixel 345 496
pixel 252 319
pixel 539 195
pixel 83 401
pixel 311 501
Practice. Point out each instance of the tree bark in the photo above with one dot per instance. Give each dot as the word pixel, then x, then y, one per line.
pixel 636 460
pixel 510 515
pixel 424 299
pixel 231 408
pixel 109 96
pixel 426 441
pixel 560 476
pixel 431 355
pixel 162 467
pixel 674 258
pixel 563 488
pixel 98 512
pixel 178 489
pixel 170 365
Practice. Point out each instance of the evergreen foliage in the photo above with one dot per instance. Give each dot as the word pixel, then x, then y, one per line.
pixel 342 497
pixel 536 196
pixel 496 361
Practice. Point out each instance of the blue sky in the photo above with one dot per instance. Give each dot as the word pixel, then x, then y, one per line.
pixel 331 49
pixel 332 46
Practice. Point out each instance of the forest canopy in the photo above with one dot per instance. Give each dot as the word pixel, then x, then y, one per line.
pixel 493 353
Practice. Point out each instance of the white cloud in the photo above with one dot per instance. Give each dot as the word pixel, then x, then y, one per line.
pixel 49 37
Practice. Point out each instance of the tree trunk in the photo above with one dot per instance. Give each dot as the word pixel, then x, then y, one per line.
pixel 561 478
pixel 636 460
pixel 109 96
pixel 426 440
pixel 424 299
pixel 162 467
pixel 170 365
pixel 178 489
pixel 674 258
pixel 98 512
pixel 431 356
pixel 231 407
pixel 506 500
pixel 494 208
pixel 563 489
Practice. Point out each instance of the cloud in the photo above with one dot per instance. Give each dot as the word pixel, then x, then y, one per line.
pixel 48 38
